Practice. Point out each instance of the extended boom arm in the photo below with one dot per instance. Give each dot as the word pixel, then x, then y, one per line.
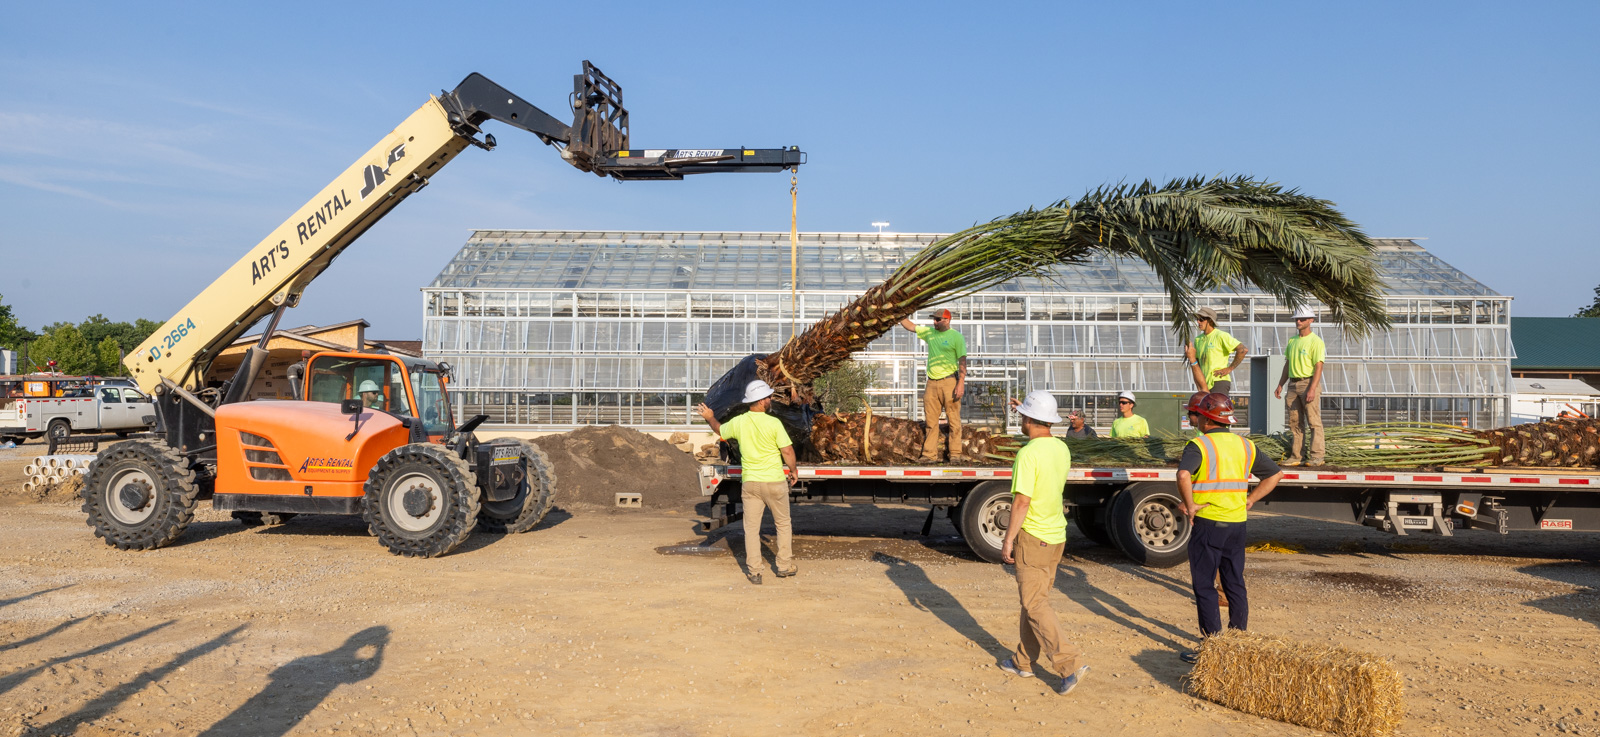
pixel 277 270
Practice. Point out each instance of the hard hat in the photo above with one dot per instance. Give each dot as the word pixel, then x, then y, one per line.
pixel 1041 406
pixel 1304 312
pixel 368 386
pixel 1128 396
pixel 1214 406
pixel 756 391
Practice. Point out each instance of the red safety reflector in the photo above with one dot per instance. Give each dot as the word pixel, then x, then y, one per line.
pixel 1002 473
pixel 1102 474
pixel 1435 479
pixel 1291 475
pixel 1523 480
pixel 918 472
pixel 1144 475
pixel 1475 479
pixel 1330 477
pixel 828 472
pixel 1378 477
pixel 1581 482
pixel 969 473
pixel 874 472
pixel 735 471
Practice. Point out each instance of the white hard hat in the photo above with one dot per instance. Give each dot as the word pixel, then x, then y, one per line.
pixel 756 391
pixel 1041 406
pixel 368 386
pixel 1301 312
pixel 1128 396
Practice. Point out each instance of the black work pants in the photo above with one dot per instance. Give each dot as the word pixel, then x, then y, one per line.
pixel 1218 547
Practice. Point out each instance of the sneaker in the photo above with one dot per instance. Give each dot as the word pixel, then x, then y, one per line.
pixel 1189 657
pixel 1290 462
pixel 792 571
pixel 1071 682
pixel 754 578
pixel 1008 665
pixel 1315 464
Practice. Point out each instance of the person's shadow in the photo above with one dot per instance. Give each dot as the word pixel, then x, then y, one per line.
pixel 924 594
pixel 301 684
pixel 1075 584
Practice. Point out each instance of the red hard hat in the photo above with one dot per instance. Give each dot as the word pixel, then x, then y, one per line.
pixel 1214 406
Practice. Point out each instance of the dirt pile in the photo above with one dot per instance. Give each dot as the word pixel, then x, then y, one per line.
pixel 594 464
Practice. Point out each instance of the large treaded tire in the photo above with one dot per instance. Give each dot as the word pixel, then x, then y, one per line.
pixel 1147 524
pixel 1091 521
pixel 528 508
pixel 162 483
pixel 444 483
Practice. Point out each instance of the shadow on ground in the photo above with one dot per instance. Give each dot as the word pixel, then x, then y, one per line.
pixel 922 593
pixel 299 686
pixel 15 679
pixel 1583 604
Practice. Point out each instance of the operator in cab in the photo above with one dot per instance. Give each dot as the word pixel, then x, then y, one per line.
pixel 371 395
pixel 1214 478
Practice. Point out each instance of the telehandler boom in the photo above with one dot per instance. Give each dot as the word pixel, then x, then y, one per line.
pixel 369 433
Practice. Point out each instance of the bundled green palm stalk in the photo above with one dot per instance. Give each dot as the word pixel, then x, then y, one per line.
pixel 1197 234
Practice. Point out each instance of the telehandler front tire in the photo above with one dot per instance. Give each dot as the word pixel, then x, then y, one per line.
pixel 421 500
pixel 535 495
pixel 139 495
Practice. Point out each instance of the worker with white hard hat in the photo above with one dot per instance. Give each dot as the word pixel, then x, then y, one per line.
pixel 371 394
pixel 1303 374
pixel 1129 425
pixel 767 469
pixel 1036 537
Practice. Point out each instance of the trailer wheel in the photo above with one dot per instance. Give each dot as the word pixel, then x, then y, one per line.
pixel 263 519
pixel 985 512
pixel 59 429
pixel 1146 522
pixel 139 495
pixel 421 501
pixel 535 477
pixel 1092 522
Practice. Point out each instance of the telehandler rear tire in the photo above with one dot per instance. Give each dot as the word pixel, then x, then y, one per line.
pixel 533 500
pixel 139 495
pixel 421 500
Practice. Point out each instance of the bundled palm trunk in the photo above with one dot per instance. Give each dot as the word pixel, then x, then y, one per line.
pixel 862 438
pixel 1550 444
pixel 1197 235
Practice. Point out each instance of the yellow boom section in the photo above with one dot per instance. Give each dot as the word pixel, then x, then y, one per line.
pixel 278 268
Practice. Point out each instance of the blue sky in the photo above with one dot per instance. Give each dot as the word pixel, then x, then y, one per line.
pixel 145 147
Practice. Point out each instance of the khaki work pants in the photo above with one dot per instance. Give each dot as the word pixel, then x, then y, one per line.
pixel 1040 629
pixel 758 497
pixel 1311 412
pixel 940 397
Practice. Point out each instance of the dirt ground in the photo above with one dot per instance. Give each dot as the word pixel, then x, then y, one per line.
pixel 623 623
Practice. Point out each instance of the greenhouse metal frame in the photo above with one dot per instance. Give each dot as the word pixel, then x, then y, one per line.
pixel 556 329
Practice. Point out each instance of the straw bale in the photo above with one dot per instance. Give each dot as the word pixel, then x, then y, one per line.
pixel 1310 684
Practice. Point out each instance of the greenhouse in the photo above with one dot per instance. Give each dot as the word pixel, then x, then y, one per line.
pixel 553 329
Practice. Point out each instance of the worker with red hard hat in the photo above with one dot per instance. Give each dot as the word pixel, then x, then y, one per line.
pixel 1214 478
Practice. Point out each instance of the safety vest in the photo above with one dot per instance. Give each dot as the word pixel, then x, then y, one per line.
pixel 1223 480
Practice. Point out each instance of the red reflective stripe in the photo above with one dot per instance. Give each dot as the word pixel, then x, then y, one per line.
pixel 1574 481
pixel 1428 478
pixel 874 472
pixel 828 472
pixel 917 472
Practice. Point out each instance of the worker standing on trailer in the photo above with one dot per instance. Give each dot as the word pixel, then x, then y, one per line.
pixel 1129 425
pixel 1303 373
pixel 1035 540
pixel 1076 428
pixel 767 470
pixel 1214 478
pixel 947 382
pixel 1209 352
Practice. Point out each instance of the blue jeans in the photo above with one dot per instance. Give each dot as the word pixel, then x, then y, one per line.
pixel 1218 547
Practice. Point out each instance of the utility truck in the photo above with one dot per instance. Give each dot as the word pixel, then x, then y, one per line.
pixel 107 408
pixel 368 433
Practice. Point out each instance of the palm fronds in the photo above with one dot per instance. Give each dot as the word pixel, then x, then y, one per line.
pixel 1197 234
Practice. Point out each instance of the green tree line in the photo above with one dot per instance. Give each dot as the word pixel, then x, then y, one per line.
pixel 94 346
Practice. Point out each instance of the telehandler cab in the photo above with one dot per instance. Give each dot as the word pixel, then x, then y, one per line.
pixel 369 433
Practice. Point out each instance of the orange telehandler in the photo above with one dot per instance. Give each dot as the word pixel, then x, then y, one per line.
pixel 369 433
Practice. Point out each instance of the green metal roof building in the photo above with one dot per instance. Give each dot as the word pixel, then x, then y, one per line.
pixel 1557 348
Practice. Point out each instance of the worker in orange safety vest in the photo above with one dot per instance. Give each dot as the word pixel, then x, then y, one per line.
pixel 1214 478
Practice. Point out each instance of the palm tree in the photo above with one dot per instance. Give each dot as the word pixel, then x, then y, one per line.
pixel 1197 234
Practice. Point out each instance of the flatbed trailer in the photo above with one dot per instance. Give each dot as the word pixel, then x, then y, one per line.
pixel 1137 510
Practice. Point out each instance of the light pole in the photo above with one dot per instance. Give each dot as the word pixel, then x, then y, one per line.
pixel 880 225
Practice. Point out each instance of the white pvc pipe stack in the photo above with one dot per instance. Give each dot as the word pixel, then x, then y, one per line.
pixel 27 487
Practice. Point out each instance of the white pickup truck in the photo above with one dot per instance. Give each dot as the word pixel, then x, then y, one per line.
pixel 119 409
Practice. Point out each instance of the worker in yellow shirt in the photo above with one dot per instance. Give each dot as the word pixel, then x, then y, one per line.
pixel 1303 373
pixel 767 468
pixel 1214 479
pixel 1129 425
pixel 1035 539
pixel 947 383
pixel 1208 354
